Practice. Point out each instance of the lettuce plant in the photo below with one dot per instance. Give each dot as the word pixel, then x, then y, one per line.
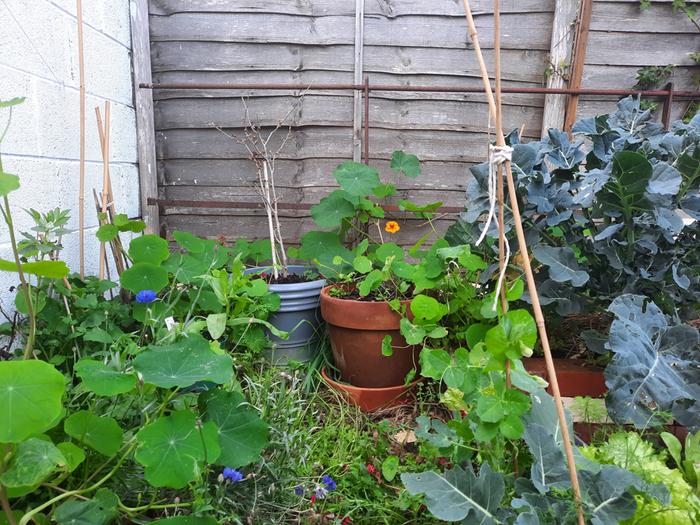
pixel 629 451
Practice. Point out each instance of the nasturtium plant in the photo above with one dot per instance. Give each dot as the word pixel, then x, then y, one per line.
pixel 120 223
pixel 174 448
pixel 102 379
pixel 149 249
pixel 32 462
pixel 242 434
pixel 351 213
pixel 144 276
pixel 101 433
pixel 405 163
pixel 332 209
pixel 183 363
pixel 31 395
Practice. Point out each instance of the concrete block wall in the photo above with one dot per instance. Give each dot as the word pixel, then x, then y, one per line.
pixel 39 61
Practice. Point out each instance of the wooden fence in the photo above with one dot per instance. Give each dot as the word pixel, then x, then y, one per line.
pixel 407 42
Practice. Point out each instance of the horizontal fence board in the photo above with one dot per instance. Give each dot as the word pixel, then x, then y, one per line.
pixel 223 56
pixel 626 77
pixel 329 143
pixel 305 173
pixel 254 226
pixel 313 110
pixel 306 195
pixel 614 48
pixel 387 8
pixel 217 56
pixel 518 31
pixel 627 17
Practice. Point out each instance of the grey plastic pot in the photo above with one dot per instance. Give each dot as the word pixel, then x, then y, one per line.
pixel 299 314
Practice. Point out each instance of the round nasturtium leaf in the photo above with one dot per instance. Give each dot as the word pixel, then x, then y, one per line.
pixel 102 380
pixel 100 510
pixel 389 249
pixel 189 241
pixel 405 163
pixel 183 363
pixel 173 449
pixel 74 454
pixel 427 309
pixel 332 209
pixel 434 362
pixel 144 276
pixel 149 249
pixel 242 434
pixel 355 178
pixel 30 399
pixel 107 232
pixel 98 432
pixel 31 463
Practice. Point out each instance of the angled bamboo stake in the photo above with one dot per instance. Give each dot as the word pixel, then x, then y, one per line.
pixel 104 135
pixel 116 243
pixel 532 287
pixel 81 190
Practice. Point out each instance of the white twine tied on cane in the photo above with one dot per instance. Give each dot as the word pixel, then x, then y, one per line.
pixel 497 155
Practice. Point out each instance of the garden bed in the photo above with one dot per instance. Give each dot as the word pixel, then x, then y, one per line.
pixel 152 400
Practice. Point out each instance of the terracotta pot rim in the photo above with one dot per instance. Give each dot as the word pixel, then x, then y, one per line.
pixel 384 389
pixel 329 297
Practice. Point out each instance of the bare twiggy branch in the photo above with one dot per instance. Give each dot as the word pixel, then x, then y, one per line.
pixel 260 150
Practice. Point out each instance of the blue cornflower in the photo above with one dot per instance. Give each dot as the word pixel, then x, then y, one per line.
pixel 329 482
pixel 146 296
pixel 320 492
pixel 233 475
pixel 299 490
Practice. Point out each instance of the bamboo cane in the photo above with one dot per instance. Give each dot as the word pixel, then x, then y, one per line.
pixel 105 177
pixel 499 184
pixel 115 244
pixel 532 287
pixel 499 171
pixel 101 221
pixel 81 189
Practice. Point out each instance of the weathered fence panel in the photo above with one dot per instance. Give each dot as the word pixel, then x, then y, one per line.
pixel 407 42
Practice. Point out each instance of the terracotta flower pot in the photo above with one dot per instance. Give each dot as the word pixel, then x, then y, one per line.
pixel 369 399
pixel 574 378
pixel 356 330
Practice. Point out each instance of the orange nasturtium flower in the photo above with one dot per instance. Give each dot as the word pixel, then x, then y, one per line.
pixel 392 227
